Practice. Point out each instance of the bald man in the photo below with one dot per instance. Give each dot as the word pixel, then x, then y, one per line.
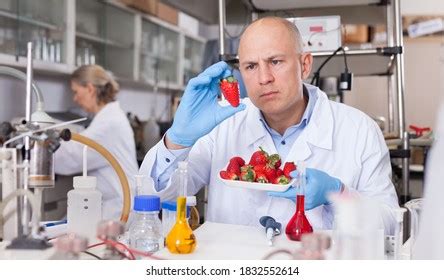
pixel 342 147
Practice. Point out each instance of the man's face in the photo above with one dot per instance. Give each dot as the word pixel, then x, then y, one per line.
pixel 272 68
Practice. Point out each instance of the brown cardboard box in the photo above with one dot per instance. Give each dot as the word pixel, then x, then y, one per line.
pixel 167 13
pixel 147 6
pixel 355 33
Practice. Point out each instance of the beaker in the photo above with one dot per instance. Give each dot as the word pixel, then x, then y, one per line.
pixel 299 224
pixel 41 171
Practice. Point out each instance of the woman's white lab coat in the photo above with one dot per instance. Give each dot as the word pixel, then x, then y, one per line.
pixel 110 128
pixel 339 140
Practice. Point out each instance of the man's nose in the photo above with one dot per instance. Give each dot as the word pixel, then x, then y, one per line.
pixel 265 75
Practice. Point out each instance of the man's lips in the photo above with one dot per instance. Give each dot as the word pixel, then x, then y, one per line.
pixel 268 93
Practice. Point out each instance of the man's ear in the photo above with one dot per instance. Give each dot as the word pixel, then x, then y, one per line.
pixel 307 63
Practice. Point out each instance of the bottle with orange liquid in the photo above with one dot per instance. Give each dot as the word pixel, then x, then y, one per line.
pixel 299 224
pixel 181 239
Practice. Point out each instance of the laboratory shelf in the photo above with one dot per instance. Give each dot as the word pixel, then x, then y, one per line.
pixel 161 57
pixel 39 65
pixel 70 33
pixel 94 38
pixel 14 16
pixel 362 62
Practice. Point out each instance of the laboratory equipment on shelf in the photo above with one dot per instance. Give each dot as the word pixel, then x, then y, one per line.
pixel 299 224
pixel 181 239
pixel 145 232
pixel 272 228
pixel 84 201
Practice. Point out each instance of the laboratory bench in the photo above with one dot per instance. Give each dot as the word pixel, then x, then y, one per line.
pixel 215 241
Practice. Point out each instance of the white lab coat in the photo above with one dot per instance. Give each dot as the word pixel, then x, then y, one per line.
pixel 110 128
pixel 430 241
pixel 339 140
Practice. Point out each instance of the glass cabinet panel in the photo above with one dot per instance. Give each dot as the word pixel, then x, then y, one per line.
pixel 193 58
pixel 39 21
pixel 159 55
pixel 105 36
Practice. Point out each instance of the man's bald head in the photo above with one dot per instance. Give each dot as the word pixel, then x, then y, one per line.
pixel 258 24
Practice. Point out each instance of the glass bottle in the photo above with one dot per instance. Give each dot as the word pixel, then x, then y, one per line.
pixel 146 230
pixel 299 224
pixel 180 239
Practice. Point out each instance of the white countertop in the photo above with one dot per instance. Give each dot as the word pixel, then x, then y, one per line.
pixel 226 241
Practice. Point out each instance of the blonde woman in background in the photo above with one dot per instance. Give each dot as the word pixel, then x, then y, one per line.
pixel 94 90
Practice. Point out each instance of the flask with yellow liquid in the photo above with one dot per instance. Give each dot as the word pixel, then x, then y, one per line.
pixel 181 239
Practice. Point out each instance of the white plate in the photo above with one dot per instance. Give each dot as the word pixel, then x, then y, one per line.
pixel 258 186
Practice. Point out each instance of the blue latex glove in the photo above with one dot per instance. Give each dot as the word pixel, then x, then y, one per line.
pixel 319 185
pixel 199 111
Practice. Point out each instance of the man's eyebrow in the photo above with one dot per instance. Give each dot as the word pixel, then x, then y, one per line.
pixel 267 59
pixel 248 62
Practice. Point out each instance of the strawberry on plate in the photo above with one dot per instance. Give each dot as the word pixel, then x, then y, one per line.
pixel 288 168
pixel 259 157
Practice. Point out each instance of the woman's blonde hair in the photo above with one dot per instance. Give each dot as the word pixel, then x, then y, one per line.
pixel 104 83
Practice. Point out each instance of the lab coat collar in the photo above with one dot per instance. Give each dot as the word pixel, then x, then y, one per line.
pixel 318 132
pixel 109 107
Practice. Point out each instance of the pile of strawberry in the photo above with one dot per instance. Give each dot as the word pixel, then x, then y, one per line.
pixel 262 168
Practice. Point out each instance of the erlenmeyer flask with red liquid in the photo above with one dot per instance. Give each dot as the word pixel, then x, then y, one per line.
pixel 299 224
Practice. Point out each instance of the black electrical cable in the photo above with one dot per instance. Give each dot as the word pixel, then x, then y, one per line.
pixel 315 80
pixel 345 60
pixel 92 255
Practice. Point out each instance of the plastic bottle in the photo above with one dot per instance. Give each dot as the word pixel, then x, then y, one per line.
pixel 146 230
pixel 84 207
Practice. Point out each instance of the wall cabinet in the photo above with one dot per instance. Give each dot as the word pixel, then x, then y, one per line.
pixel 69 33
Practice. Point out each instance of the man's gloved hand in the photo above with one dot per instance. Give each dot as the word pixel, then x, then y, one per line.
pixel 319 185
pixel 199 111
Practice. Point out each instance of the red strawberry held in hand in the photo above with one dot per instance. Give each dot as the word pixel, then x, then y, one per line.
pixel 230 89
